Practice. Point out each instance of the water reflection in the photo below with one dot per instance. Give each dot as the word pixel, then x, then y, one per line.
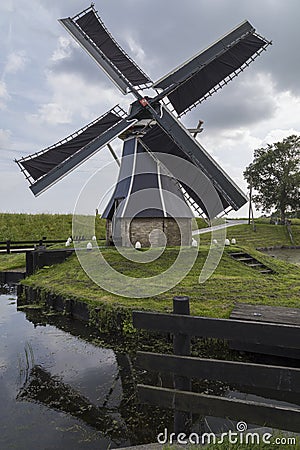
pixel 40 386
pixel 291 255
pixel 60 390
pixel 56 390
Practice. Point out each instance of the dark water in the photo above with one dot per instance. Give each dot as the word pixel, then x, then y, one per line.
pixel 291 255
pixel 60 391
pixel 57 391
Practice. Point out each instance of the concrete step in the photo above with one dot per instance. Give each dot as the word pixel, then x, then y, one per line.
pixel 252 262
pixel 256 264
pixel 244 259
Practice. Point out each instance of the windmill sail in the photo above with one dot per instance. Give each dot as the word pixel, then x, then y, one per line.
pixel 206 72
pixel 48 166
pixel 92 35
pixel 184 87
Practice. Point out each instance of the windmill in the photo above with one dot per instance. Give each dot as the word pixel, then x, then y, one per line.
pixel 152 133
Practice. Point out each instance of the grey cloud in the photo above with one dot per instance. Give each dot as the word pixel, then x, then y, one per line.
pixel 238 104
pixel 169 32
pixel 79 63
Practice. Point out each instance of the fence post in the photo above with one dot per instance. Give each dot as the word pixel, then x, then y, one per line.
pixel 42 243
pixel 289 230
pixel 8 246
pixel 29 263
pixel 182 347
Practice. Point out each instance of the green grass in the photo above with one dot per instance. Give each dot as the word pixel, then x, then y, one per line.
pixel 59 226
pixel 232 282
pixel 201 222
pixel 266 235
pixel 34 226
pixel 10 262
pixel 20 227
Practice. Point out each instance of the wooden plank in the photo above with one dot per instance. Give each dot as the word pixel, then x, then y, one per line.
pixel 262 313
pixel 17 251
pixel 248 374
pixel 280 417
pixel 253 332
pixel 20 247
pixel 182 347
pixel 50 241
pixel 283 352
pixel 55 241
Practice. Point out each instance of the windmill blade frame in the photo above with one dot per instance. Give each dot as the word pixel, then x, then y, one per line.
pixel 209 70
pixel 90 32
pixel 47 167
pixel 163 134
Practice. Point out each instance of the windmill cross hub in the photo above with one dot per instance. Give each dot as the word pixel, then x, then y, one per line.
pixel 142 108
pixel 144 102
pixel 150 128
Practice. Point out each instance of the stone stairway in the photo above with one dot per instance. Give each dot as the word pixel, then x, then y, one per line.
pixel 250 261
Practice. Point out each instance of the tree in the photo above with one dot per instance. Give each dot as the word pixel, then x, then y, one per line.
pixel 275 176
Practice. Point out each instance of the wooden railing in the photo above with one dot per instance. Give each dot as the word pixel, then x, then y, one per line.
pixel 184 368
pixel 10 246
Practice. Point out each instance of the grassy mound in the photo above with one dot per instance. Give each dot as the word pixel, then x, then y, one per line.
pixel 231 282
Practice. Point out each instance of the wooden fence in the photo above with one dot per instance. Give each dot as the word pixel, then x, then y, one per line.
pixel 260 376
pixel 23 246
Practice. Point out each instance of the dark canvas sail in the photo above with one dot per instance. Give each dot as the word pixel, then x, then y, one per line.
pixel 200 75
pixel 97 32
pixel 39 165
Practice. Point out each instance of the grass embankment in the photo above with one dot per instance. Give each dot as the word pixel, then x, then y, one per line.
pixel 231 282
pixel 21 227
pixel 266 235
pixel 55 226
pixel 11 262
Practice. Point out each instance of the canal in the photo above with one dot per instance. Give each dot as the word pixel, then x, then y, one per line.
pixel 60 391
pixel 63 387
pixel 291 255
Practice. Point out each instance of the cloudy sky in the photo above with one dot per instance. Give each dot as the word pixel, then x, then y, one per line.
pixel 49 87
